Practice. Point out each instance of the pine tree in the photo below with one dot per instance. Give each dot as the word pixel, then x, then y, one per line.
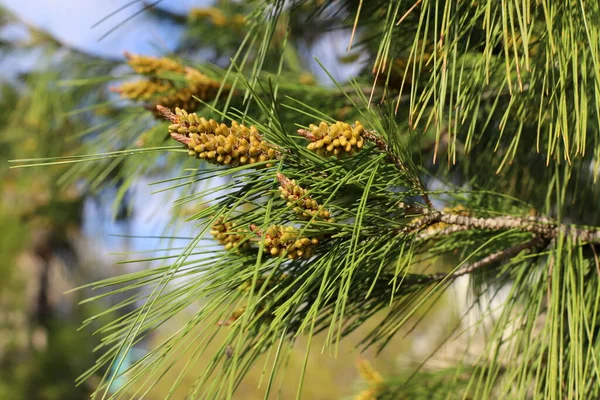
pixel 466 148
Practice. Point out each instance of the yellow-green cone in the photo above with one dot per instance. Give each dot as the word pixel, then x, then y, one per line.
pixel 338 139
pixel 198 85
pixel 298 200
pixel 143 90
pixel 285 241
pixel 218 143
pixel 168 92
pixel 146 65
pixel 225 233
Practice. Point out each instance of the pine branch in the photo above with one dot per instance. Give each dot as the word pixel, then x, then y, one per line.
pixel 174 119
pixel 542 226
pixel 426 235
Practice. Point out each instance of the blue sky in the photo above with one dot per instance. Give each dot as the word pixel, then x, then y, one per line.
pixel 71 22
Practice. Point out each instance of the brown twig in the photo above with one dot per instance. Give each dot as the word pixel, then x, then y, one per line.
pixel 426 235
pixel 254 228
pixel 174 119
pixel 168 114
pixel 307 135
pixel 425 221
pixel 536 226
pixel 412 209
pixel 540 226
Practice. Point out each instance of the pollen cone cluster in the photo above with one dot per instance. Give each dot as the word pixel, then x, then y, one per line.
pixel 373 379
pixel 143 90
pixel 225 232
pixel 145 65
pixel 198 85
pixel 334 140
pixel 180 89
pixel 217 17
pixel 218 143
pixel 285 241
pixel 298 200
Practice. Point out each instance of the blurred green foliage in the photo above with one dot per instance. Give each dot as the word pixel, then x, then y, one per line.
pixel 50 373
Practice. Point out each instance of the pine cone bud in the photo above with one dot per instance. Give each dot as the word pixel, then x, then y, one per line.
pixel 142 90
pixel 160 90
pixel 285 241
pixel 146 65
pixel 198 85
pixel 373 379
pixel 368 373
pixel 225 233
pixel 215 15
pixel 334 140
pixel 218 143
pixel 298 200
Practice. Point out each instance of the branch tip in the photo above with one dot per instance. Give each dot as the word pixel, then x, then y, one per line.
pixel 254 228
pixel 307 134
pixel 167 114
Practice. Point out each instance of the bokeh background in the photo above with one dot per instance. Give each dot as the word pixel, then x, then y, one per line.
pixel 60 231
